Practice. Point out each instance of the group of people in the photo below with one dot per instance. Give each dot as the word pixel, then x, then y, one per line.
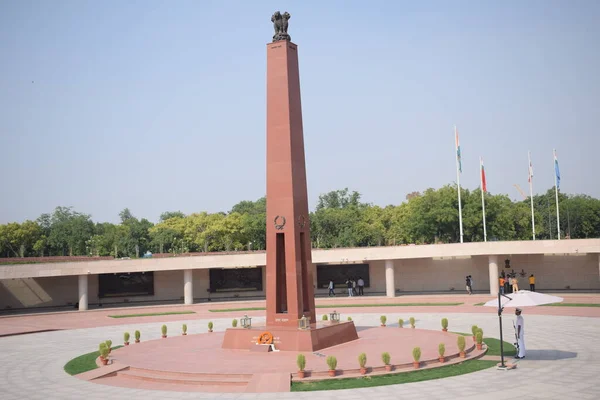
pixel 356 287
pixel 469 280
pixel 509 283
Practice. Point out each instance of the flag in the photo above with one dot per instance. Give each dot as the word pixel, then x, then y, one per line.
pixel 556 171
pixel 483 182
pixel 458 159
pixel 530 169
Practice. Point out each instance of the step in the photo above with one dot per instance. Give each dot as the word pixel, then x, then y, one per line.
pixel 204 375
pixel 184 379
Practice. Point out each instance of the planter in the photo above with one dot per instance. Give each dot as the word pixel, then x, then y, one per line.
pixel 412 327
pixel 164 336
pixel 445 329
pixel 383 325
pixel 388 368
pixel 441 359
pixel 184 333
pixel 416 364
pixel 301 374
pixel 331 372
pixel 479 346
pixel 462 354
pixel 210 330
pixel 126 343
pixel 137 340
pixel 363 371
pixel 104 361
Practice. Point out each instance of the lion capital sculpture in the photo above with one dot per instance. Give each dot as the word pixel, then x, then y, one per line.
pixel 280 24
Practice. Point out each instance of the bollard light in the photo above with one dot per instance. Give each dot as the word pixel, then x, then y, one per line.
pixel 304 322
pixel 334 317
pixel 246 322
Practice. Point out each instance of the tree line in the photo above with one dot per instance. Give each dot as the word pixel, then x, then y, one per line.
pixel 340 219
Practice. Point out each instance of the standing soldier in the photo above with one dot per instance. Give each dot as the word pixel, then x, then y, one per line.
pixel 532 283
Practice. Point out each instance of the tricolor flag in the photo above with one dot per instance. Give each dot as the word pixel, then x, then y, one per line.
pixel 458 159
pixel 530 169
pixel 483 182
pixel 556 170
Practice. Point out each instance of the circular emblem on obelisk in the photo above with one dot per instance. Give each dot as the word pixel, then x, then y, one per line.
pixel 279 222
pixel 301 221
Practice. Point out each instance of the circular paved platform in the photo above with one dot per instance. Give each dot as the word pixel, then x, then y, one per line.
pixel 563 362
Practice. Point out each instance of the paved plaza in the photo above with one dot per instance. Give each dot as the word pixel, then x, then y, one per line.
pixel 563 356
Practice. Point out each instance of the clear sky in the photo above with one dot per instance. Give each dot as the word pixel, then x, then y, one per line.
pixel 160 105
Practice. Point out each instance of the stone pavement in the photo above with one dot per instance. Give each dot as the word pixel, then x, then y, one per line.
pixel 563 360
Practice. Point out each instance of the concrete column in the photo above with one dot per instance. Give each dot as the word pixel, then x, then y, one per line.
pixel 83 292
pixel 494 283
pixel 188 286
pixel 390 286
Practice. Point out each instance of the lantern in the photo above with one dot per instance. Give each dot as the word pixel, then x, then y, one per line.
pixel 246 322
pixel 304 322
pixel 334 317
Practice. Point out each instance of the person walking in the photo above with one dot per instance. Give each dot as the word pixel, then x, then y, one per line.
pixel 520 327
pixel 349 285
pixel 510 284
pixel 502 281
pixel 354 292
pixel 331 286
pixel 361 286
pixel 468 284
pixel 532 283
pixel 472 283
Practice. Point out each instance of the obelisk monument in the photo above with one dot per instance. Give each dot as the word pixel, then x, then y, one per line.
pixel 290 290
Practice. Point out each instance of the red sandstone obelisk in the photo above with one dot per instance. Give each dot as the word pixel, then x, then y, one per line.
pixel 290 290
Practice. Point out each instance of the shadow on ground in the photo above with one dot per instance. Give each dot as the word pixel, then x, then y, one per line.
pixel 549 355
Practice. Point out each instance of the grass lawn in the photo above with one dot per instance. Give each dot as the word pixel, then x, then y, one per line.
pixel 84 363
pixel 479 304
pixel 152 314
pixel 574 305
pixel 346 306
pixel 494 348
pixel 394 379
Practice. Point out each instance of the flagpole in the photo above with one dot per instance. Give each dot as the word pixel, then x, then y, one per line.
pixel 482 197
pixel 531 194
pixel 458 184
pixel 556 192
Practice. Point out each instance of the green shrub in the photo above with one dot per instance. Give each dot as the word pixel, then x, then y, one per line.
pixel 400 323
pixel 417 353
pixel 385 357
pixel 163 329
pixel 445 323
pixel 104 352
pixel 324 317
pixel 383 319
pixel 331 362
pixel 184 328
pixel 210 326
pixel 102 346
pixel 137 335
pixel 301 362
pixel 412 322
pixel 442 349
pixel 460 342
pixel 349 318
pixel 479 337
pixel 234 323
pixel 474 330
pixel 109 344
pixel 362 360
pixel 126 337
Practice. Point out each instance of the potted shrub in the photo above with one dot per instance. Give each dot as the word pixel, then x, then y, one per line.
pixel 210 326
pixel 104 355
pixel 461 343
pixel 441 351
pixel 474 331
pixel 100 347
pixel 126 338
pixel 137 335
pixel 234 323
pixel 385 357
pixel 383 320
pixel 324 317
pixel 163 329
pixel 412 322
pixel 184 329
pixel 332 364
pixel 445 324
pixel 479 338
pixel 108 345
pixel 301 363
pixel 416 356
pixel 400 323
pixel 349 318
pixel 362 362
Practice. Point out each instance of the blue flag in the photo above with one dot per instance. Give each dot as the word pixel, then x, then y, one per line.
pixel 557 171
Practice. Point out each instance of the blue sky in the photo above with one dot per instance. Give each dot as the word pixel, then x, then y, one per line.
pixel 160 105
